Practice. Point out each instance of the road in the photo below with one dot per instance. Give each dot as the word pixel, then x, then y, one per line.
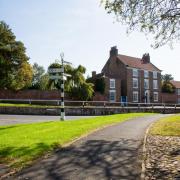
pixel 111 153
pixel 25 119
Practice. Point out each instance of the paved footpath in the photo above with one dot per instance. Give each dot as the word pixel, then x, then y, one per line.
pixel 112 153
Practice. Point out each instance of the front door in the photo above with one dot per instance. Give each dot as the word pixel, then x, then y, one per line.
pixel 147 96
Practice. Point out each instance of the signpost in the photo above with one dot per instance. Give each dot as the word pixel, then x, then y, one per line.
pixel 58 74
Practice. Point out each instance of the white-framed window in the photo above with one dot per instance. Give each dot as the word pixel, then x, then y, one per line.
pixel 135 96
pixel 112 83
pixel 112 95
pixel 155 84
pixel 155 96
pixel 146 74
pixel 154 75
pixel 178 100
pixel 178 91
pixel 135 82
pixel 135 72
pixel 146 83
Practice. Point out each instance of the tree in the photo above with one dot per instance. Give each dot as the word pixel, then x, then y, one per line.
pixel 83 92
pixel 38 72
pixel 161 18
pixel 15 70
pixel 167 77
pixel 44 82
pixel 167 86
pixel 99 84
pixel 75 85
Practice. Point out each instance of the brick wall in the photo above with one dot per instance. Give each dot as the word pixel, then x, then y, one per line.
pixel 169 98
pixel 30 94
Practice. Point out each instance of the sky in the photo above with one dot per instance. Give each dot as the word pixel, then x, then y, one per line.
pixel 83 31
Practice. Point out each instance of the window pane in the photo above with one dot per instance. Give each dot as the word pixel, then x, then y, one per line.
pixel 154 74
pixel 146 74
pixel 112 83
pixel 135 96
pixel 135 83
pixel 155 84
pixel 135 73
pixel 156 96
pixel 146 83
pixel 112 95
pixel 178 91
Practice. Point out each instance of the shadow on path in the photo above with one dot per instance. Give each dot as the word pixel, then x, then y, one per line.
pixel 93 159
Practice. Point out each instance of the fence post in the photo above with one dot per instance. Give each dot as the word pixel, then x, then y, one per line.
pixel 104 104
pixel 139 106
pixel 175 108
pixel 83 104
pixel 164 108
pixel 152 108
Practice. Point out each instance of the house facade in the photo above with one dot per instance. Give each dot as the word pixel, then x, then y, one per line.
pixel 130 79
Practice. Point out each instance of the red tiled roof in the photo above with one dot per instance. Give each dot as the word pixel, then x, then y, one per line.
pixel 137 63
pixel 176 84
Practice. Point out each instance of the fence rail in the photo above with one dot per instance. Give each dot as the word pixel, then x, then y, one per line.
pixel 90 103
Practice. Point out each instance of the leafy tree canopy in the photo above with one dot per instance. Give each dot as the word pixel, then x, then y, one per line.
pixel 167 86
pixel 38 72
pixel 15 70
pixel 161 18
pixel 167 77
pixel 75 85
pixel 99 84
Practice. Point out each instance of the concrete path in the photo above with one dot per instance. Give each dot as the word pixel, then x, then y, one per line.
pixel 25 119
pixel 111 153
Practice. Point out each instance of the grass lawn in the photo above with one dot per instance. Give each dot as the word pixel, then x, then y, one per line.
pixel 169 126
pixel 20 144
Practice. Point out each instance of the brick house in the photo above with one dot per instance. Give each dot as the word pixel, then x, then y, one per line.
pixel 130 79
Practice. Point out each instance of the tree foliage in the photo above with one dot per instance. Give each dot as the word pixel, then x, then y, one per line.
pixel 167 86
pixel 38 72
pixel 161 18
pixel 99 84
pixel 75 85
pixel 15 70
pixel 167 77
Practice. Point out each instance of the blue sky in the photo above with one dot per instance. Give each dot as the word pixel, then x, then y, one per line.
pixel 82 30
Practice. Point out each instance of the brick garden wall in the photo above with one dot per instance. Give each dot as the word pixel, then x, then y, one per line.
pixel 30 94
pixel 169 98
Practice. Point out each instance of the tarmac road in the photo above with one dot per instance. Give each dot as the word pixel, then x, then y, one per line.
pixel 113 153
pixel 26 119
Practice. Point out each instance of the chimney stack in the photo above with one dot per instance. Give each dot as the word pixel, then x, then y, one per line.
pixel 93 73
pixel 113 51
pixel 146 58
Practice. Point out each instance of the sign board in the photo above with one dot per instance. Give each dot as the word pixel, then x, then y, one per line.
pixel 55 77
pixel 55 70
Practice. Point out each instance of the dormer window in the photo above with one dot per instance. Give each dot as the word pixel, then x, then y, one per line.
pixel 135 72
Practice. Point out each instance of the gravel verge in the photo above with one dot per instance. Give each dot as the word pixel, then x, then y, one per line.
pixel 162 158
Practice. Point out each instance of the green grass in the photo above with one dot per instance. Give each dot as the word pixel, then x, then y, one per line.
pixel 20 144
pixel 169 126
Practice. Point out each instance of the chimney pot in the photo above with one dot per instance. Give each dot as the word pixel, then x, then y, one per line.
pixel 113 51
pixel 93 73
pixel 146 58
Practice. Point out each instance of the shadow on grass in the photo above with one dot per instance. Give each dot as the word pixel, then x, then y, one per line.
pixel 7 127
pixel 94 159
